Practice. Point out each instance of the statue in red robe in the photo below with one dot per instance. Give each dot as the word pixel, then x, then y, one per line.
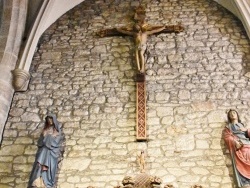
pixel 236 137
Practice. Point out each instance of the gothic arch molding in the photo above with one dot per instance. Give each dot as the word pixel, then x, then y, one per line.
pixel 49 12
pixel 241 9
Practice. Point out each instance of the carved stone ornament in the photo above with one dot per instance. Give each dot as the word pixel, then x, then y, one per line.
pixel 155 180
pixel 20 79
pixel 168 186
pixel 197 186
pixel 128 181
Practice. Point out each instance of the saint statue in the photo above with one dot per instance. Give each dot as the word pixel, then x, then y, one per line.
pixel 49 151
pixel 236 137
pixel 141 161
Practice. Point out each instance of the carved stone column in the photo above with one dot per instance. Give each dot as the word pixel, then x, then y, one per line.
pixel 13 26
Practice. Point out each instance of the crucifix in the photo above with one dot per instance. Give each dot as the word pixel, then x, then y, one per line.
pixel 140 31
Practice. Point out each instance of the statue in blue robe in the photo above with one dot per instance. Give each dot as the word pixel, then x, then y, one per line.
pixel 49 152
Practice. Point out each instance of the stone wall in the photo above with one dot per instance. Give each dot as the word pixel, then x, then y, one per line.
pixel 192 79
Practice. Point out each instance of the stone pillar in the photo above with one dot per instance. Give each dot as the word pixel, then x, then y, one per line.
pixel 13 27
pixel 6 94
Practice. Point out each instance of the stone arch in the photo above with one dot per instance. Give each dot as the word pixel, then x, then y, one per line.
pixel 180 144
pixel 49 12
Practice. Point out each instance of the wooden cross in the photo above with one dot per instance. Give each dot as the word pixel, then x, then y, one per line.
pixel 140 31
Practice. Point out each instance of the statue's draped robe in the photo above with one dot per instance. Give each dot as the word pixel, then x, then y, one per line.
pixel 240 157
pixel 49 150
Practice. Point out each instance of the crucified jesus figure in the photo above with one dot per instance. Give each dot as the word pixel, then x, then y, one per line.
pixel 140 33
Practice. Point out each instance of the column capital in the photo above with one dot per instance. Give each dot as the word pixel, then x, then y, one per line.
pixel 20 79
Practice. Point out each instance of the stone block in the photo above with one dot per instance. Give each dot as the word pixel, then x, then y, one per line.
pixel 5 167
pixel 185 142
pixel 12 150
pixel 73 179
pixel 202 144
pixel 203 106
pixel 72 164
pixel 216 116
pixel 29 116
